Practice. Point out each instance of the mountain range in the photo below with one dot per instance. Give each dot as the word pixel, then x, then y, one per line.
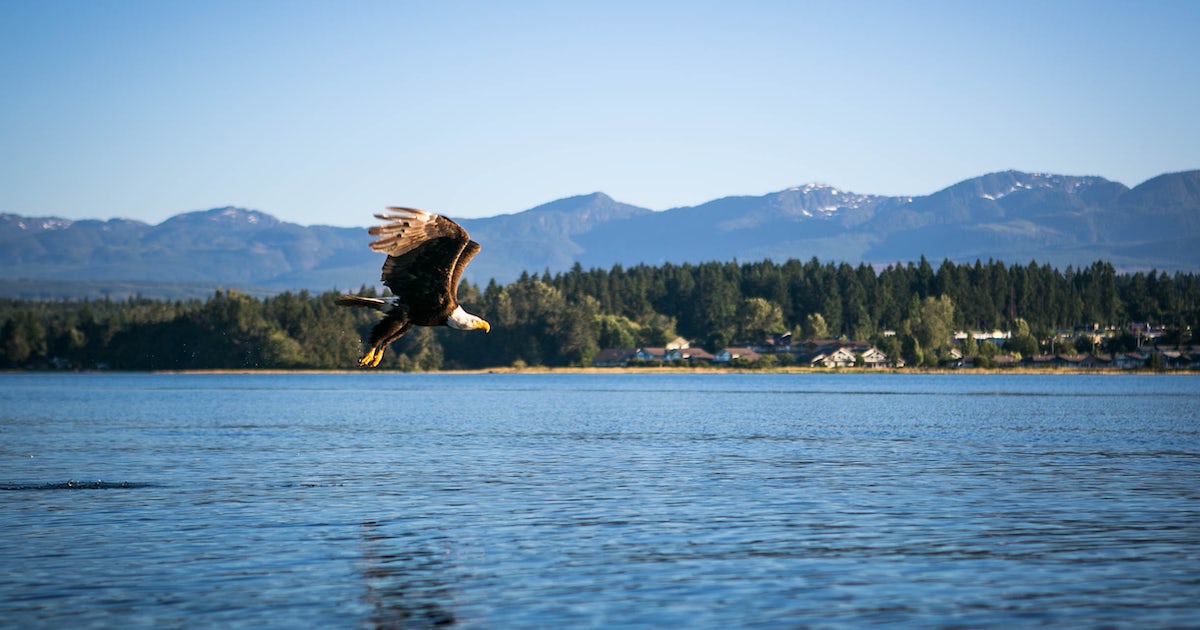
pixel 1009 216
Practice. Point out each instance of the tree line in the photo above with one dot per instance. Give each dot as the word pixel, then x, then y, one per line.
pixel 564 319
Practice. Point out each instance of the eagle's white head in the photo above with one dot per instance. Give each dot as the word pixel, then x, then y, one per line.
pixel 463 320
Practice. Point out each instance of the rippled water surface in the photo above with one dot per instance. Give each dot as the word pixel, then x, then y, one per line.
pixel 638 500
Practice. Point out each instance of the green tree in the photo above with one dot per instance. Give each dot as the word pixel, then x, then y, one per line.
pixel 419 351
pixel 616 331
pixel 910 349
pixel 970 346
pixel 656 329
pixel 1022 343
pixel 814 327
pixel 24 338
pixel 935 323
pixel 577 332
pixel 281 351
pixel 1021 328
pixel 892 347
pixel 714 312
pixel 758 319
pixel 556 320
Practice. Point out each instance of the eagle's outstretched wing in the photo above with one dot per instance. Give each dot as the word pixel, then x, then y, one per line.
pixel 426 254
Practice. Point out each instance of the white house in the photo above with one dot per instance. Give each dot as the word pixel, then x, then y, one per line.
pixel 678 343
pixel 842 357
pixel 875 358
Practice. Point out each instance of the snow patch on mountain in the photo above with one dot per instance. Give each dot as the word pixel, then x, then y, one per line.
pixel 39 224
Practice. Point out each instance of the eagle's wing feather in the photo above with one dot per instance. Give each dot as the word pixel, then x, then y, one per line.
pixel 465 257
pixel 424 260
pixel 407 228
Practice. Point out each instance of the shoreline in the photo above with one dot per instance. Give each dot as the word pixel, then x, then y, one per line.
pixel 1049 371
pixel 687 370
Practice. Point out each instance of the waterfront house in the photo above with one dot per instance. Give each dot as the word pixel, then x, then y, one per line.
pixel 840 358
pixel 725 355
pixel 699 355
pixel 875 358
pixel 658 354
pixel 613 357
pixel 1130 360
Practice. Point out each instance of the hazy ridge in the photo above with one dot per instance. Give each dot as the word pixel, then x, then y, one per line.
pixel 1010 216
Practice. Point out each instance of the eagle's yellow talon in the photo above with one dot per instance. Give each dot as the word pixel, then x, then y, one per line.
pixel 378 357
pixel 370 356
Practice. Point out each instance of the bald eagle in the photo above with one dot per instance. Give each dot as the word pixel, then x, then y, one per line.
pixel 426 256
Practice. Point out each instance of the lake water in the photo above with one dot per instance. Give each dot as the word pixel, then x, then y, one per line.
pixel 626 500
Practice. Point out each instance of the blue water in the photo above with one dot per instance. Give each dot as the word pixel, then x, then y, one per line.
pixel 630 500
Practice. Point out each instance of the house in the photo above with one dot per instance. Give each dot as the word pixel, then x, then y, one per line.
pixel 1130 360
pixel 814 345
pixel 697 355
pixel 1146 331
pixel 1005 361
pixel 678 343
pixel 657 354
pixel 840 358
pixel 1070 360
pixel 838 353
pixel 650 354
pixel 998 337
pixel 725 355
pixel 1041 360
pixel 1101 361
pixel 1175 359
pixel 833 358
pixel 875 358
pixel 812 359
pixel 778 343
pixel 612 357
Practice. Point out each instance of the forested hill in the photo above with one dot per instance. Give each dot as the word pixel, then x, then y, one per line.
pixel 564 319
pixel 1013 216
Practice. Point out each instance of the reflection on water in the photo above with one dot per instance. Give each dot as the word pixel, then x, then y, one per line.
pixel 401 501
pixel 406 587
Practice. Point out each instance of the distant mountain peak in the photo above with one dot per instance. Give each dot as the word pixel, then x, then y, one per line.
pixel 994 186
pixel 576 203
pixel 817 199
pixel 229 216
pixel 38 224
pixel 811 187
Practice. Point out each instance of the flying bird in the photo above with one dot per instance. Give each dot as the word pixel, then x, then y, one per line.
pixel 426 254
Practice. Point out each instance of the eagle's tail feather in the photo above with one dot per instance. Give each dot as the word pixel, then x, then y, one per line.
pixel 357 301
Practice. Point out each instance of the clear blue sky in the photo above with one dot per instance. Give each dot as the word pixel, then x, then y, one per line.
pixel 324 112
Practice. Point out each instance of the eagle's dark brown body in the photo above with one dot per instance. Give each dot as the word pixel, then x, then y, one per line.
pixel 426 257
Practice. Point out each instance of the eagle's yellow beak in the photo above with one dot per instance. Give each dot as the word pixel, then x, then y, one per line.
pixel 484 325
